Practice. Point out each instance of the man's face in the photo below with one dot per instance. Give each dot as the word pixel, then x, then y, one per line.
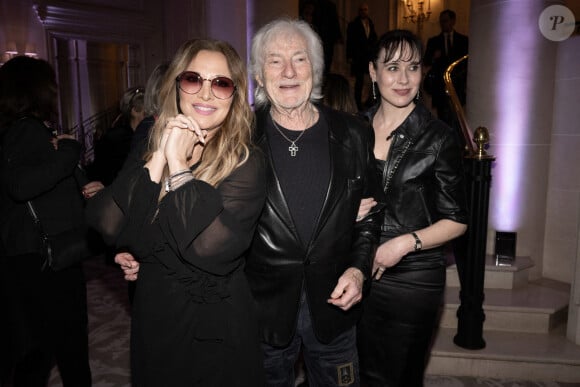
pixel 363 11
pixel 287 76
pixel 446 23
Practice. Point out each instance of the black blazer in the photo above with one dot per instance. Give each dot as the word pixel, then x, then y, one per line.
pixel 279 267
pixel 358 46
pixel 440 62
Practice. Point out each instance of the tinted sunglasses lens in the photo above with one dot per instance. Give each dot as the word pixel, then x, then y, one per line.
pixel 222 87
pixel 190 82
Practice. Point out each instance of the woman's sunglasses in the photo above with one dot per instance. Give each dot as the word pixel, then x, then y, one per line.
pixel 191 82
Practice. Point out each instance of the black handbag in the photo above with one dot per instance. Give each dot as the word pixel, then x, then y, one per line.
pixel 64 249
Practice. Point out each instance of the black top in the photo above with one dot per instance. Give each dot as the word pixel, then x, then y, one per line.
pixel 193 320
pixel 31 169
pixel 303 177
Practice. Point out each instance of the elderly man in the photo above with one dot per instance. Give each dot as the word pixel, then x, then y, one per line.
pixel 309 257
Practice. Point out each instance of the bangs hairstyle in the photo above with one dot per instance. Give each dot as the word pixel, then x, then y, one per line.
pixel 28 88
pixel 402 42
pixel 230 146
pixel 280 28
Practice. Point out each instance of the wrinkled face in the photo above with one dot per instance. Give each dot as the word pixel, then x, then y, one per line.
pixel 207 110
pixel 399 78
pixel 287 74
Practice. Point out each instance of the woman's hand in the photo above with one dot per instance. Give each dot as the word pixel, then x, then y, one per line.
pixel 90 189
pixel 184 136
pixel 129 265
pixel 55 140
pixel 364 208
pixel 391 252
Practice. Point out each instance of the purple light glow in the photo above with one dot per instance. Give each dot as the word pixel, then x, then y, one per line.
pixel 516 68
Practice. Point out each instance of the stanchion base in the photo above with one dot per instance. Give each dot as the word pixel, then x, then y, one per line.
pixel 469 342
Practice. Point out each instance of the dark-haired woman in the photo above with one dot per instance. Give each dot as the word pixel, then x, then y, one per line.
pixel 419 158
pixel 44 312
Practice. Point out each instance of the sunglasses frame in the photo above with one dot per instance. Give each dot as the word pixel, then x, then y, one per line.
pixel 211 82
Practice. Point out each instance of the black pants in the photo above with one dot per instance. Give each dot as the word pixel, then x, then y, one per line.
pixel 44 322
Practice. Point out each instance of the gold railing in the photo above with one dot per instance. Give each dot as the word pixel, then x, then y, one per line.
pixel 456 105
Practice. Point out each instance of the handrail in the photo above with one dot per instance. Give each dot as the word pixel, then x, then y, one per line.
pixel 456 105
pixel 88 128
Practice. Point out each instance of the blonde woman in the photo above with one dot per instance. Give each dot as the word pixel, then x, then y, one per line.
pixel 187 213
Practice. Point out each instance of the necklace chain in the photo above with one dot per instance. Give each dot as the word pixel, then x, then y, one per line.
pixel 293 148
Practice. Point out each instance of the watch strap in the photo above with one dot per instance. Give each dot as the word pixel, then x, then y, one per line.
pixel 418 243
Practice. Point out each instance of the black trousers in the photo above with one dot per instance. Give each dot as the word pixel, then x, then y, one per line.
pixel 44 321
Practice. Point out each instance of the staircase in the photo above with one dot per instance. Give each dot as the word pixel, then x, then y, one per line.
pixel 524 329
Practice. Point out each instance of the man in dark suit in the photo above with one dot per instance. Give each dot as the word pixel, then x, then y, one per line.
pixel 442 50
pixel 360 37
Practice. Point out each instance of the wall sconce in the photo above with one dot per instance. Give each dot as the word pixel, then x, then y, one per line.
pixel 12 51
pixel 415 13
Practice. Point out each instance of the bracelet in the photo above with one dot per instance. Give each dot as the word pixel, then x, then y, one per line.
pixel 177 180
pixel 180 173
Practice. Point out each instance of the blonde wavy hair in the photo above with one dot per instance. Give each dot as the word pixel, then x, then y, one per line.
pixel 229 148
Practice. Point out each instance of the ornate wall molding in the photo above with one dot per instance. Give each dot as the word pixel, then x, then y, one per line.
pixel 93 22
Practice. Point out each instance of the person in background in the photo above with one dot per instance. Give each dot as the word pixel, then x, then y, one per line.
pixel 420 161
pixel 44 312
pixel 360 38
pixel 187 212
pixel 112 149
pixel 441 51
pixel 309 259
pixel 337 95
pixel 150 107
pixel 328 28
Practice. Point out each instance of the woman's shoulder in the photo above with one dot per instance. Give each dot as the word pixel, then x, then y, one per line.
pixel 252 171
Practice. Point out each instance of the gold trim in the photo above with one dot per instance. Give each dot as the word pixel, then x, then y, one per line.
pixel 456 105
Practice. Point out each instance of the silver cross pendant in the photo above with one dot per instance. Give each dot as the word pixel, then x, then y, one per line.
pixel 293 148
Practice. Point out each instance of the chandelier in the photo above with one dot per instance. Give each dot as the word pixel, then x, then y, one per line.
pixel 414 12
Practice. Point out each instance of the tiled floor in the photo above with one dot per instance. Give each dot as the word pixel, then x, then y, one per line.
pixel 109 337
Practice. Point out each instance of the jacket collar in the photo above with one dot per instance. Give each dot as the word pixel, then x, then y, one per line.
pixel 413 125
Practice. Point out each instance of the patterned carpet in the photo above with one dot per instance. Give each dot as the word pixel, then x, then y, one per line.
pixel 109 336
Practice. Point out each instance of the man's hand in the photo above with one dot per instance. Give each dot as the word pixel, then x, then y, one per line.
pixel 348 290
pixel 128 264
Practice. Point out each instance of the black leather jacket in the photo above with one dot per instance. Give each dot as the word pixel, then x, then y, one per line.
pixel 422 177
pixel 278 265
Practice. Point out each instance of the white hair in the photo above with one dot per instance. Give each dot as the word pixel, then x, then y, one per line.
pixel 313 49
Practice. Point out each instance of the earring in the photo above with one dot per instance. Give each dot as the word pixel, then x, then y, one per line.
pixel 374 92
pixel 418 96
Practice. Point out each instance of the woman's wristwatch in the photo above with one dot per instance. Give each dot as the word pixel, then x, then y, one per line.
pixel 418 243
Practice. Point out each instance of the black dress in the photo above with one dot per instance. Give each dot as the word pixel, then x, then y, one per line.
pixel 193 318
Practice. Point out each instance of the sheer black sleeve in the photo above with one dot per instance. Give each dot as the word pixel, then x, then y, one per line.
pixel 211 228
